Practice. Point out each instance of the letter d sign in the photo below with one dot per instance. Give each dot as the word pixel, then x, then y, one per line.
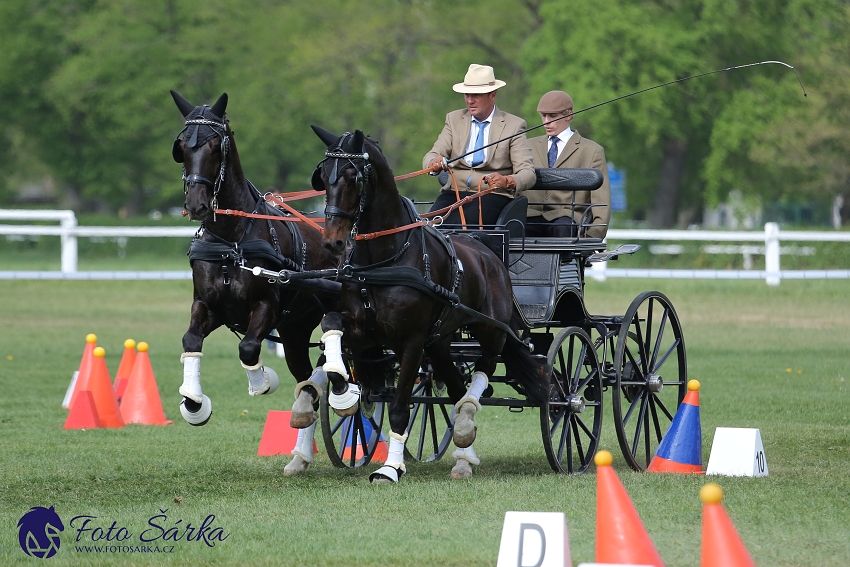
pixel 534 539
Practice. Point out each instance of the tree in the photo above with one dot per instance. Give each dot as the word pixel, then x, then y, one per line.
pixel 663 138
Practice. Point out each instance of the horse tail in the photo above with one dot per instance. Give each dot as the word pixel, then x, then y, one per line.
pixel 532 373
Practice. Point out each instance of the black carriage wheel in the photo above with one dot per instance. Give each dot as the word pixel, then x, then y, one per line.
pixel 651 376
pixel 429 430
pixel 571 419
pixel 364 427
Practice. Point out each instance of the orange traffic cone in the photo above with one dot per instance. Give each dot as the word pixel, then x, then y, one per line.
pixel 124 369
pixel 278 437
pixel 721 544
pixel 141 402
pixel 83 369
pixel 83 414
pixel 100 386
pixel 620 535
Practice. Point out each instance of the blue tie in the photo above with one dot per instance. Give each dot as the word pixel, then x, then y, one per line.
pixel 553 151
pixel 478 156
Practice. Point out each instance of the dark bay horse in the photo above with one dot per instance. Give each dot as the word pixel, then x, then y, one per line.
pixel 225 294
pixel 409 292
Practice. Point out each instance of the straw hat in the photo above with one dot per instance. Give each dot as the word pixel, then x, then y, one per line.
pixel 478 79
pixel 555 102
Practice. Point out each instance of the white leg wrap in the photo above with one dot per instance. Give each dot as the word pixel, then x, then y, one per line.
pixel 304 445
pixel 395 456
pixel 465 399
pixel 261 380
pixel 191 387
pixel 478 385
pixel 467 455
pixel 318 380
pixel 347 399
pixel 333 353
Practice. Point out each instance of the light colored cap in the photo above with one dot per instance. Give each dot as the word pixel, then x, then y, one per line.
pixel 555 102
pixel 478 79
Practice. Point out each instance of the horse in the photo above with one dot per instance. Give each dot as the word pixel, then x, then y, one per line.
pixel 410 290
pixel 226 294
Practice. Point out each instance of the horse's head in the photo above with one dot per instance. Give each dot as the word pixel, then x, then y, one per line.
pixel 203 151
pixel 345 175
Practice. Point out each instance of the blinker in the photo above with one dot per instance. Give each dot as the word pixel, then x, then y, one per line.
pixel 177 151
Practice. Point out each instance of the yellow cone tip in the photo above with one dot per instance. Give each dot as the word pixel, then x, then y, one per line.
pixel 99 352
pixel 603 458
pixel 91 338
pixel 129 343
pixel 711 493
pixel 693 385
pixel 142 347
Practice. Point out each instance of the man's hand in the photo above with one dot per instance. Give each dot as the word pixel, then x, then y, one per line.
pixel 499 181
pixel 437 165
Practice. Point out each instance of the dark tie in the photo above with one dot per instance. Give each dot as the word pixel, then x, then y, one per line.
pixel 553 151
pixel 478 156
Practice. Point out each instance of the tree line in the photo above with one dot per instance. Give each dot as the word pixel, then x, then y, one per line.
pixel 85 85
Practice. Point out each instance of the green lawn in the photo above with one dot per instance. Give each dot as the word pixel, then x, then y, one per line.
pixel 771 358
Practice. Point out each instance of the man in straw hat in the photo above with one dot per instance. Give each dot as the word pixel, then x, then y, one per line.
pixel 506 166
pixel 564 147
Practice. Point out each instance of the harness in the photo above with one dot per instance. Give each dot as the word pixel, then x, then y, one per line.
pixel 236 253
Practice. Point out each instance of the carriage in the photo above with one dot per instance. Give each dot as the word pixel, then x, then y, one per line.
pixel 638 357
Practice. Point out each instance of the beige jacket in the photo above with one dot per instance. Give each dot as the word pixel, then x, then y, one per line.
pixel 511 157
pixel 579 152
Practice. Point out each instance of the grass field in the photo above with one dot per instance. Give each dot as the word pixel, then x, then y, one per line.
pixel 771 358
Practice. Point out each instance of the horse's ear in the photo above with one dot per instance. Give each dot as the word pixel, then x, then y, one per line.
pixel 324 135
pixel 220 106
pixel 359 138
pixel 177 151
pixel 316 180
pixel 183 105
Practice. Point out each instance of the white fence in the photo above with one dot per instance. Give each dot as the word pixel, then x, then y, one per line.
pixel 771 237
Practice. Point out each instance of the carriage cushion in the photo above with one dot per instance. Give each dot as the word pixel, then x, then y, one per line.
pixel 568 179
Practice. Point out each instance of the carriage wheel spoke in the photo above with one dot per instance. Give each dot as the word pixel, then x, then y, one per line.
pixel 652 408
pixel 579 367
pixel 638 424
pixel 556 420
pixel 661 405
pixel 632 405
pixel 646 433
pixel 658 339
pixel 564 437
pixel 583 384
pixel 577 437
pixel 648 325
pixel 663 359
pixel 640 344
pixel 636 365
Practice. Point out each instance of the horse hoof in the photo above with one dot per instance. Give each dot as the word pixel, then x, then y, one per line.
pixel 463 433
pixel 347 403
pixel 386 475
pixel 296 466
pixel 461 470
pixel 303 414
pixel 196 413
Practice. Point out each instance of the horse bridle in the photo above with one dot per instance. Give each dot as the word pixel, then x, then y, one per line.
pixel 220 128
pixel 361 180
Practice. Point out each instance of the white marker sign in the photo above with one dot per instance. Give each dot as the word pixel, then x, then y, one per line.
pixel 534 539
pixel 737 451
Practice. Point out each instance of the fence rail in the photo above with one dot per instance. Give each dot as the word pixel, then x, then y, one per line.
pixel 69 231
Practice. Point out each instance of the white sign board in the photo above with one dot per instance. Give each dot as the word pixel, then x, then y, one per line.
pixel 534 539
pixel 737 451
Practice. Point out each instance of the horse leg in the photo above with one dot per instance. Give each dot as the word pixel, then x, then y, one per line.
pixel 464 431
pixel 302 454
pixel 196 408
pixel 399 410
pixel 261 379
pixel 344 397
pixel 443 366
